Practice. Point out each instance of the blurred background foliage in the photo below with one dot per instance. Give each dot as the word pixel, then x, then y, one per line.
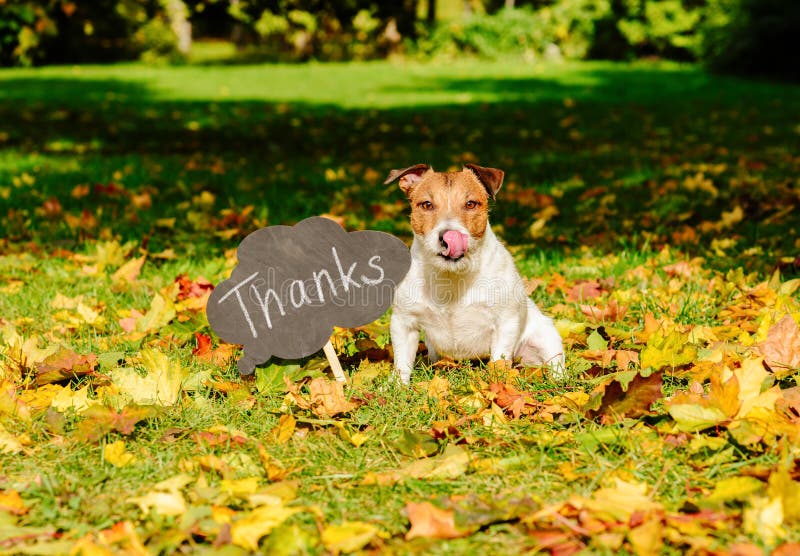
pixel 754 37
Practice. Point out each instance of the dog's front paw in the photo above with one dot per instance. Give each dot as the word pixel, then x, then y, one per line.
pixel 402 376
pixel 557 368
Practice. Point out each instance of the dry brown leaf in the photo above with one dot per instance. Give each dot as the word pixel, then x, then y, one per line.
pixel 781 350
pixel 430 522
pixel 613 311
pixel 327 398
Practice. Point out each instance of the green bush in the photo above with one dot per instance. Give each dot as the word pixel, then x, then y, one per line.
pixel 62 31
pixel 564 28
pixel 22 27
pixel 665 28
pixel 299 35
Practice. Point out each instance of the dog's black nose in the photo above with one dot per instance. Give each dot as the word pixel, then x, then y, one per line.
pixel 441 240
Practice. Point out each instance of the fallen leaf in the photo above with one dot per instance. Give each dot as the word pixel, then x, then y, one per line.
pixel 63 365
pixel 164 503
pixel 160 386
pixel 348 536
pixel 781 350
pixel 117 455
pixel 631 400
pixel 430 522
pixel 452 463
pixel 247 531
pixel 11 502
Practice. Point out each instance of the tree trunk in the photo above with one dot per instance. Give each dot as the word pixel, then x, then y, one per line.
pixel 431 12
pixel 178 15
pixel 467 7
pixel 509 4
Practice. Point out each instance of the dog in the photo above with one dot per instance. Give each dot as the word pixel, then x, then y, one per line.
pixel 463 288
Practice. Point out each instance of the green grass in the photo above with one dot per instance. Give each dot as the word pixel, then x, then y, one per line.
pixel 647 165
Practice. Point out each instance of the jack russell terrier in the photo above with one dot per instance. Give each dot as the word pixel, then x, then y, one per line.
pixel 463 288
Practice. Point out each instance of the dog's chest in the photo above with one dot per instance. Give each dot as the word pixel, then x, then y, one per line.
pixel 461 327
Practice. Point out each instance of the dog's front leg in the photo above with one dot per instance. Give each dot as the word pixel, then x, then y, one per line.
pixel 504 338
pixel 405 341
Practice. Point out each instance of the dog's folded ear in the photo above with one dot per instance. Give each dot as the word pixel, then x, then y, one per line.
pixel 490 178
pixel 407 176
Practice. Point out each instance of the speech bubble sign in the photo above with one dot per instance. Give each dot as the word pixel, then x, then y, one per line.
pixel 293 284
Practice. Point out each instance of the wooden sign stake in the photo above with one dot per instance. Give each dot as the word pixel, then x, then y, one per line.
pixel 333 361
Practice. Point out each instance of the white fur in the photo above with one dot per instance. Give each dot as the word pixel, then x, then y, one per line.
pixel 472 307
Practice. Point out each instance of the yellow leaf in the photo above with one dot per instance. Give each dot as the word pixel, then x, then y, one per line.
pixel 438 387
pixel 116 454
pixel 240 488
pixel 161 312
pixel 247 531
pixel 174 483
pixel 647 538
pixel 622 500
pixel 9 444
pixel 670 350
pixel 764 519
pixel 164 503
pixel 348 536
pixel 10 502
pixel 452 463
pixel 695 417
pixel 783 487
pixel 284 429
pixel 61 301
pixel 733 489
pixel 89 315
pixel 160 386
pixel 128 272
pixel 69 399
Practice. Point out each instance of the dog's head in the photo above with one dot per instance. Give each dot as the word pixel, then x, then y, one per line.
pixel 449 210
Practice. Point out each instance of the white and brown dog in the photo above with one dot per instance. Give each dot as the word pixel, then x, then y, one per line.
pixel 463 288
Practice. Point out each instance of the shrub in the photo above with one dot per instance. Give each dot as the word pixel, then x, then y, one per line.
pixel 566 28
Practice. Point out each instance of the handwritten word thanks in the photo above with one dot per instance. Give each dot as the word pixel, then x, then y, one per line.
pixel 299 293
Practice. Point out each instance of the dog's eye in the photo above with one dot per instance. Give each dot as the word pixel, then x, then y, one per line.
pixel 471 205
pixel 425 205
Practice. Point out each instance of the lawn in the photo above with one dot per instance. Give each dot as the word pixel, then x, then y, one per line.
pixel 651 206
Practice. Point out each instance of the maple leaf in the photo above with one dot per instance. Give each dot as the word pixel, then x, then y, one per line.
pixel 348 537
pixel 127 274
pixel 11 502
pixel 512 400
pixel 160 386
pixel 117 455
pixel 667 350
pixel 613 311
pixel 64 365
pixel 430 522
pixel 584 290
pixel 630 399
pixel 452 463
pixel 218 356
pixel 99 420
pixel 188 288
pixel 781 350
pixel 326 398
pixel 247 531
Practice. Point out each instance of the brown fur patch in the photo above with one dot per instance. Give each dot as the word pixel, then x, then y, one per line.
pixel 450 195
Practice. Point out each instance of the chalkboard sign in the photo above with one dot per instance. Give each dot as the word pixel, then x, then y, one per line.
pixel 293 284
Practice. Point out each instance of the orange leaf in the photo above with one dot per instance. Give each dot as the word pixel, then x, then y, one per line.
pixel 781 349
pixel 635 402
pixel 430 522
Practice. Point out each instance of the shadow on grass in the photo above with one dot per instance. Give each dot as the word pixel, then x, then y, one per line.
pixel 627 157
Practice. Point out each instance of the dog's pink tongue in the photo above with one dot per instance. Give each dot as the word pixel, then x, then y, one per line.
pixel 456 243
